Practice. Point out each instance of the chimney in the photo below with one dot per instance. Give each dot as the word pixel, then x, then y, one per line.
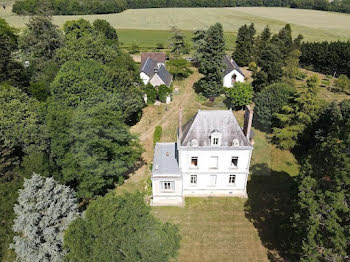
pixel 180 123
pixel 248 119
pixel 155 69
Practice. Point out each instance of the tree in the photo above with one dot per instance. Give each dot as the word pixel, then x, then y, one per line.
pixel 40 41
pixel 121 228
pixel 179 68
pixel 270 101
pixel 21 126
pixel 211 65
pixel 291 69
pixel 343 83
pixel 164 92
pixel 177 42
pixel 297 116
pixel 244 51
pixel 322 213
pixel 107 30
pixel 44 210
pixel 100 150
pixel 260 43
pixel 240 95
pixel 272 63
pixel 198 40
pixel 10 70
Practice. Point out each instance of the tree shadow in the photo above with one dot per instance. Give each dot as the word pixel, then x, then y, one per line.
pixel 269 207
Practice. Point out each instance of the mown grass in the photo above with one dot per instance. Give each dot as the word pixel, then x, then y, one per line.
pixel 313 25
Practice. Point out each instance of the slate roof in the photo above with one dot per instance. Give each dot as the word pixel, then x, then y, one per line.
pixel 150 65
pixel 165 75
pixel 205 121
pixel 158 57
pixel 231 65
pixel 165 159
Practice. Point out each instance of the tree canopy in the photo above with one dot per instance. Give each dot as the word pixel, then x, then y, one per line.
pixel 121 228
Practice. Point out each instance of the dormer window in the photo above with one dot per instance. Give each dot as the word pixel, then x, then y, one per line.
pixel 215 138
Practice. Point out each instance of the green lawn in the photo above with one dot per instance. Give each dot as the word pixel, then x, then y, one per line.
pixel 314 25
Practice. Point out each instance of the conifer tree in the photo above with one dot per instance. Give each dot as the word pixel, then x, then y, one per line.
pixel 44 210
pixel 211 65
pixel 261 42
pixel 177 42
pixel 322 215
pixel 244 51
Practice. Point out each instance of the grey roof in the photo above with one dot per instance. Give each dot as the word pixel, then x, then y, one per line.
pixel 231 65
pixel 165 75
pixel 149 66
pixel 205 121
pixel 165 159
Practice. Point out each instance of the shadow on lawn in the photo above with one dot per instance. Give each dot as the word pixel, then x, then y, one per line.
pixel 269 207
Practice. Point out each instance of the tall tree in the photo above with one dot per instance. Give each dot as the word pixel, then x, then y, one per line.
pixel 177 42
pixel 107 30
pixel 211 65
pixel 322 214
pixel 291 69
pixel 198 40
pixel 121 228
pixel 10 70
pixel 44 210
pixel 260 43
pixel 244 50
pixel 297 116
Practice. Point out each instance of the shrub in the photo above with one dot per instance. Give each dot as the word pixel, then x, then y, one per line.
pixel 240 95
pixel 134 49
pixel 151 93
pixel 164 92
pixel 157 134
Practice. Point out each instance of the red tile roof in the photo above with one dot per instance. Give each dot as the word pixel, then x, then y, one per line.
pixel 157 57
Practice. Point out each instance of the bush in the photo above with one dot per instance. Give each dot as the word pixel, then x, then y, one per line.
pixel 270 101
pixel 134 49
pixel 157 134
pixel 179 68
pixel 151 93
pixel 240 95
pixel 160 46
pixel 164 92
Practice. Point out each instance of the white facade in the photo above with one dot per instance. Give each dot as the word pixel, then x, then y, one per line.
pixel 144 78
pixel 232 77
pixel 216 167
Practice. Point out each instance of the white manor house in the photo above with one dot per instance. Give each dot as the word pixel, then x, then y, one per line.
pixel 210 158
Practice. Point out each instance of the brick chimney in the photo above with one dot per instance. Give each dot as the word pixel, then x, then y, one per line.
pixel 180 123
pixel 248 119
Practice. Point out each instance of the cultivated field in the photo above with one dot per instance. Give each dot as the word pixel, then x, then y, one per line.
pixel 314 25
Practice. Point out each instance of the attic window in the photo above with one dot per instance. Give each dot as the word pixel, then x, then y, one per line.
pixel 215 138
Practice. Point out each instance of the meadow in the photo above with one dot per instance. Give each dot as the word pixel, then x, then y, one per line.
pixel 313 25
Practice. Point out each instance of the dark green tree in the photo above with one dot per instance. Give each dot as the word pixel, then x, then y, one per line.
pixel 244 51
pixel 107 30
pixel 322 212
pixel 260 43
pixel 211 64
pixel 10 70
pixel 270 101
pixel 121 228
pixel 178 45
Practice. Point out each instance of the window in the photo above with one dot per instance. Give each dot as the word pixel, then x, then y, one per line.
pixel 215 141
pixel 234 161
pixel 232 179
pixel 194 162
pixel 193 179
pixel 168 186
pixel 212 180
pixel 213 162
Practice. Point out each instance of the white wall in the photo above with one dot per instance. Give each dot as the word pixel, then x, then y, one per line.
pixel 167 197
pixel 227 81
pixel 222 172
pixel 144 78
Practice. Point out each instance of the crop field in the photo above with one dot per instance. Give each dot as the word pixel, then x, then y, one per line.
pixel 314 25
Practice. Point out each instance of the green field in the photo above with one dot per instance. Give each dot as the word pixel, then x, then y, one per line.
pixel 148 39
pixel 314 25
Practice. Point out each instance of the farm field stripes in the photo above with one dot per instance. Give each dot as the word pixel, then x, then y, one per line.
pixel 314 25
